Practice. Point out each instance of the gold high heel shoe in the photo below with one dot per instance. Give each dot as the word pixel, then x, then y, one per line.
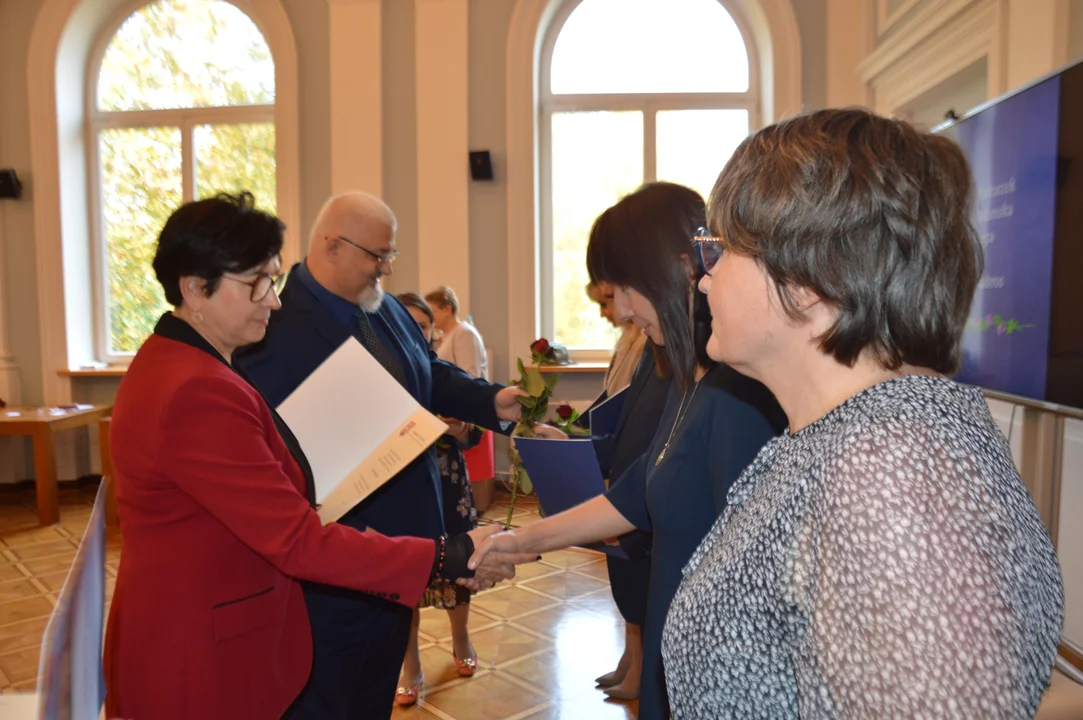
pixel 406 696
pixel 467 667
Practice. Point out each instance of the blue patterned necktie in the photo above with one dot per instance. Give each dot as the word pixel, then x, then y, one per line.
pixel 379 351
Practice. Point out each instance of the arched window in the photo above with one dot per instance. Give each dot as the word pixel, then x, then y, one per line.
pixel 180 107
pixel 630 91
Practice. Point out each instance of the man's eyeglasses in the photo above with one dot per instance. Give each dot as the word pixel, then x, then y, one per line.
pixel 262 285
pixel 708 249
pixel 385 258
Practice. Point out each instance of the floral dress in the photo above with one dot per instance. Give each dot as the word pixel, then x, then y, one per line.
pixel 460 512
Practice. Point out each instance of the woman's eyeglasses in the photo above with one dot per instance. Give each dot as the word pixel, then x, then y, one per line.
pixel 262 285
pixel 708 249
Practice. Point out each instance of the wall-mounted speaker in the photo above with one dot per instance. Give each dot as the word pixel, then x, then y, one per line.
pixel 10 187
pixel 481 165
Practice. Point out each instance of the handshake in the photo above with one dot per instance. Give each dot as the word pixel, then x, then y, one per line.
pixel 496 553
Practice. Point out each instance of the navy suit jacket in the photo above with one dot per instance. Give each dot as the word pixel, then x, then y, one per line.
pixel 304 333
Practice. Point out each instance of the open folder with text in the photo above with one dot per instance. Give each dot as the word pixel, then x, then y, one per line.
pixel 357 426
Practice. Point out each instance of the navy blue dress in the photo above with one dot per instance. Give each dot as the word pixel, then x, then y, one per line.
pixel 723 425
pixel 630 579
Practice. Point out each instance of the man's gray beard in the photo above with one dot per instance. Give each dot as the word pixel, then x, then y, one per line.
pixel 371 298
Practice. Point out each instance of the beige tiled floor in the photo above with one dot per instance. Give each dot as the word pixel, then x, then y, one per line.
pixel 540 642
pixel 540 639
pixel 33 564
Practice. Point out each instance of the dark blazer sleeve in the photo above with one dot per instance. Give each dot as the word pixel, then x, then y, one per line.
pixel 456 394
pixel 218 453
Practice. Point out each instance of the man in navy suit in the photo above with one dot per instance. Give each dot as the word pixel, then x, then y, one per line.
pixel 359 641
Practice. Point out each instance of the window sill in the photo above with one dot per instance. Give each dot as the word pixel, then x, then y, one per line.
pixel 110 371
pixel 580 367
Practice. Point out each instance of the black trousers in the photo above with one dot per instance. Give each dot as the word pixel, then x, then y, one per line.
pixel 358 643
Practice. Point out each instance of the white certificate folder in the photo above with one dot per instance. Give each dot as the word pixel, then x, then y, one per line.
pixel 357 426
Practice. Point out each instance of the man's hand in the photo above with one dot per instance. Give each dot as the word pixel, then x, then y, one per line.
pixel 507 403
pixel 494 565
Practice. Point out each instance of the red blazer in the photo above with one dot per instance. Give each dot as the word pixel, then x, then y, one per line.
pixel 208 619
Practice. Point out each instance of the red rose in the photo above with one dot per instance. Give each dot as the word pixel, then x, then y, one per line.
pixel 565 412
pixel 540 346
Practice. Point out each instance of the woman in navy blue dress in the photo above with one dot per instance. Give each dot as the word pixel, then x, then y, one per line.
pixel 714 423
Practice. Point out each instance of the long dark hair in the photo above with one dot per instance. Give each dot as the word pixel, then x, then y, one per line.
pixel 645 242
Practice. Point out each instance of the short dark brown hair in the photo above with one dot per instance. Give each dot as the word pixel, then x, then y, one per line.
pixel 208 238
pixel 871 215
pixel 444 297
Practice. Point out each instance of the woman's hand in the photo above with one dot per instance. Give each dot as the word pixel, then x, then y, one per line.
pixel 546 432
pixel 494 564
pixel 549 432
pixel 499 543
pixel 458 429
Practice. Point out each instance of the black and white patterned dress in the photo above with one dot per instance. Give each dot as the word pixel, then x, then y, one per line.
pixel 884 562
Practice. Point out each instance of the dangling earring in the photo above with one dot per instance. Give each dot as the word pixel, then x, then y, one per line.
pixel 198 317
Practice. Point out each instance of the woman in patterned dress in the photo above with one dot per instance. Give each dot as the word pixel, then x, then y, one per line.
pixel 882 559
pixel 459 512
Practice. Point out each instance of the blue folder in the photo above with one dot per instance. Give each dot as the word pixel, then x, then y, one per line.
pixel 564 473
pixel 605 416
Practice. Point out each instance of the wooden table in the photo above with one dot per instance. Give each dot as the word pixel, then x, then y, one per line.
pixel 42 424
pixel 112 519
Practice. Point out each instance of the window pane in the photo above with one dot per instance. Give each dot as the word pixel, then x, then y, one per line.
pixel 186 53
pixel 694 145
pixel 232 158
pixel 141 186
pixel 649 46
pixel 597 159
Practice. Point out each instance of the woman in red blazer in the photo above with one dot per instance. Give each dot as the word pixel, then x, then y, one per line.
pixel 215 498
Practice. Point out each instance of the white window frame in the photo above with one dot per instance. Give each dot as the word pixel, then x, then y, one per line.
pixel 185 119
pixel 649 104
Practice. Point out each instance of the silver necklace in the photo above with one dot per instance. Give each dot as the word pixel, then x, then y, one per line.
pixel 677 421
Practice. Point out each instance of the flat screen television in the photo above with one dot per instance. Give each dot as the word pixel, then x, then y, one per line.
pixel 1024 337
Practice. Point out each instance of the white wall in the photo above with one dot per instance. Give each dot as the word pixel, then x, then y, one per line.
pixel 961 92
